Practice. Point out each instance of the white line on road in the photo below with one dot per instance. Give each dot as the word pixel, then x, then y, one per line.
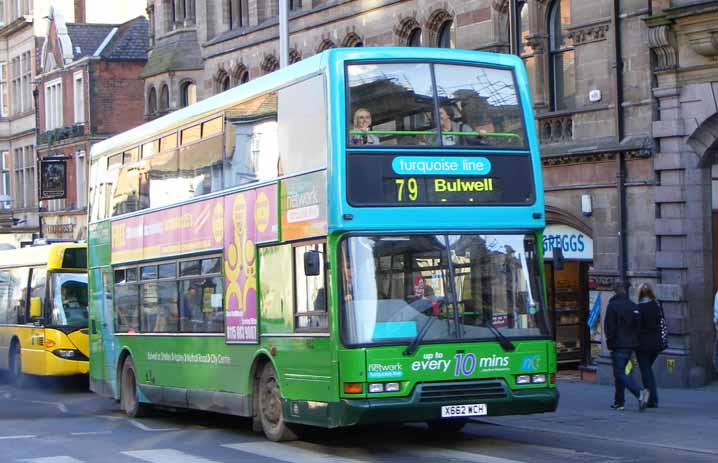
pixel 55 459
pixel 291 453
pixel 23 436
pixel 137 424
pixel 90 433
pixel 60 406
pixel 166 455
pixel 440 454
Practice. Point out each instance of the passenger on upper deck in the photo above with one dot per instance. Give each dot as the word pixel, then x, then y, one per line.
pixel 362 122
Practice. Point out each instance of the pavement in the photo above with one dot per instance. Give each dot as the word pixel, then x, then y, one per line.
pixel 686 419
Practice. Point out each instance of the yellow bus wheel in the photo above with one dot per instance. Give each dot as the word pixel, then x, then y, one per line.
pixel 128 392
pixel 270 407
pixel 17 377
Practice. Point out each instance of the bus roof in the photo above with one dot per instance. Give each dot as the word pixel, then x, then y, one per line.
pixel 51 256
pixel 311 66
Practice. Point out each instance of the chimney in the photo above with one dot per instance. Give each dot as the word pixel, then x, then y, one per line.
pixel 79 11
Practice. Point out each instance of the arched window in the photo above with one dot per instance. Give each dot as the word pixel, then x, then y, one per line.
pixel 443 37
pixel 522 25
pixel 240 74
pixel 164 98
pixel 270 64
pixel 561 57
pixel 352 40
pixel 222 81
pixel 294 56
pixel 152 101
pixel 414 39
pixel 188 94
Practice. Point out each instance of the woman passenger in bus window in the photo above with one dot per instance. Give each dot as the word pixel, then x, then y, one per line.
pixel 362 123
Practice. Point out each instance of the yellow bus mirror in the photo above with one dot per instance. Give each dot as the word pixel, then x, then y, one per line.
pixel 35 307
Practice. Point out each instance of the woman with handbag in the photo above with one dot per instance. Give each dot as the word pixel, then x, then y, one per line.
pixel 650 339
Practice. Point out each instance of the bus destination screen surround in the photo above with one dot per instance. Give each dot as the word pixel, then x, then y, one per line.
pixel 410 179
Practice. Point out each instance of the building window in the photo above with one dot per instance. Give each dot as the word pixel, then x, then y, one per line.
pixel 152 101
pixel 522 26
pixel 164 98
pixel 21 83
pixel 414 39
pixel 295 5
pixel 240 75
pixel 79 97
pixel 188 94
pixel 222 81
pixel 237 13
pixel 81 175
pixel 6 194
pixel 444 36
pixel 53 104
pixel 3 90
pixel 25 177
pixel 561 57
pixel 20 8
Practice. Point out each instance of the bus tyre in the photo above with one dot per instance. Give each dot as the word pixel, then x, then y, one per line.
pixel 270 407
pixel 17 377
pixel 447 426
pixel 128 392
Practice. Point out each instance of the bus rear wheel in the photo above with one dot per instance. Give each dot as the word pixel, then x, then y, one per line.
pixel 270 407
pixel 17 377
pixel 128 392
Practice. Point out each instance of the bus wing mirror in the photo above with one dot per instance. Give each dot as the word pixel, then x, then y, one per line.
pixel 558 258
pixel 35 308
pixel 312 263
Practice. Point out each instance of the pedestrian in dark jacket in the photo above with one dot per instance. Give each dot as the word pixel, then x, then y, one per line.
pixel 649 339
pixel 621 329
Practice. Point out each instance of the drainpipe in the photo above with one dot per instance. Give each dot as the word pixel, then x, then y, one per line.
pixel 619 129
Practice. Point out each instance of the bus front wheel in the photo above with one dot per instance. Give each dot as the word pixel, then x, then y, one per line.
pixel 270 407
pixel 128 392
pixel 17 377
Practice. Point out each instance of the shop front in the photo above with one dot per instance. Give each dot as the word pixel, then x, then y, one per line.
pixel 573 308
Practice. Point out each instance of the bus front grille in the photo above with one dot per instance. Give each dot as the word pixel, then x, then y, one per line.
pixel 463 391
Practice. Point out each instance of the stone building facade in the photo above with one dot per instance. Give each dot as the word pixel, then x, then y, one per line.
pixel 613 123
pixel 88 89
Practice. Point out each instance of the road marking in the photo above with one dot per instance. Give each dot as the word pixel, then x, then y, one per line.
pixel 23 436
pixel 56 459
pixel 291 453
pixel 165 455
pixel 60 406
pixel 137 424
pixel 90 433
pixel 440 454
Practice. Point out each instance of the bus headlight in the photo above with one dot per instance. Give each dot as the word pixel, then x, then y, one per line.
pixel 523 379
pixel 538 379
pixel 67 353
pixel 391 387
pixel 376 387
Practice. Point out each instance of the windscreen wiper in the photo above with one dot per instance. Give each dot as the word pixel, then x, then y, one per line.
pixel 411 348
pixel 506 345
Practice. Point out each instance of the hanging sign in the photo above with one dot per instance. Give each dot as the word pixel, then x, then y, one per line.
pixel 575 244
pixel 53 178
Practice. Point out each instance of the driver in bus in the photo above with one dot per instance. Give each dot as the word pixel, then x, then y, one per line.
pixel 362 122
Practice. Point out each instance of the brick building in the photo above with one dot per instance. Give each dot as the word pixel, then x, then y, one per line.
pixel 88 89
pixel 617 89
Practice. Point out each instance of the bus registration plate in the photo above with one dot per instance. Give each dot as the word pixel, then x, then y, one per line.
pixel 450 411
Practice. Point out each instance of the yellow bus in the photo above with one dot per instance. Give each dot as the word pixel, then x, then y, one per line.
pixel 43 311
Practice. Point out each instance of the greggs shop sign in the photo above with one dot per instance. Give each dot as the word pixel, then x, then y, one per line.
pixel 575 244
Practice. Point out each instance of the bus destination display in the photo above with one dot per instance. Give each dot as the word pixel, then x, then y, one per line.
pixel 420 180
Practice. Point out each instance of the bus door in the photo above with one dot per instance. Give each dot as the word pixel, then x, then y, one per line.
pixel 293 306
pixel 33 350
pixel 101 328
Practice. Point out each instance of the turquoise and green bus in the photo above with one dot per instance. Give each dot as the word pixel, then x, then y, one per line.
pixel 351 239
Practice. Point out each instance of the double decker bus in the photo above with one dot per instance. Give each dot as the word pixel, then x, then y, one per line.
pixel 43 311
pixel 351 239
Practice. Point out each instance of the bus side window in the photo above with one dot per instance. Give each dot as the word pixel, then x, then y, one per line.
pixel 311 304
pixel 251 147
pixel 18 290
pixel 5 293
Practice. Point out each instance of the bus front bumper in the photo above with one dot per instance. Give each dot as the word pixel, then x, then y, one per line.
pixel 411 409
